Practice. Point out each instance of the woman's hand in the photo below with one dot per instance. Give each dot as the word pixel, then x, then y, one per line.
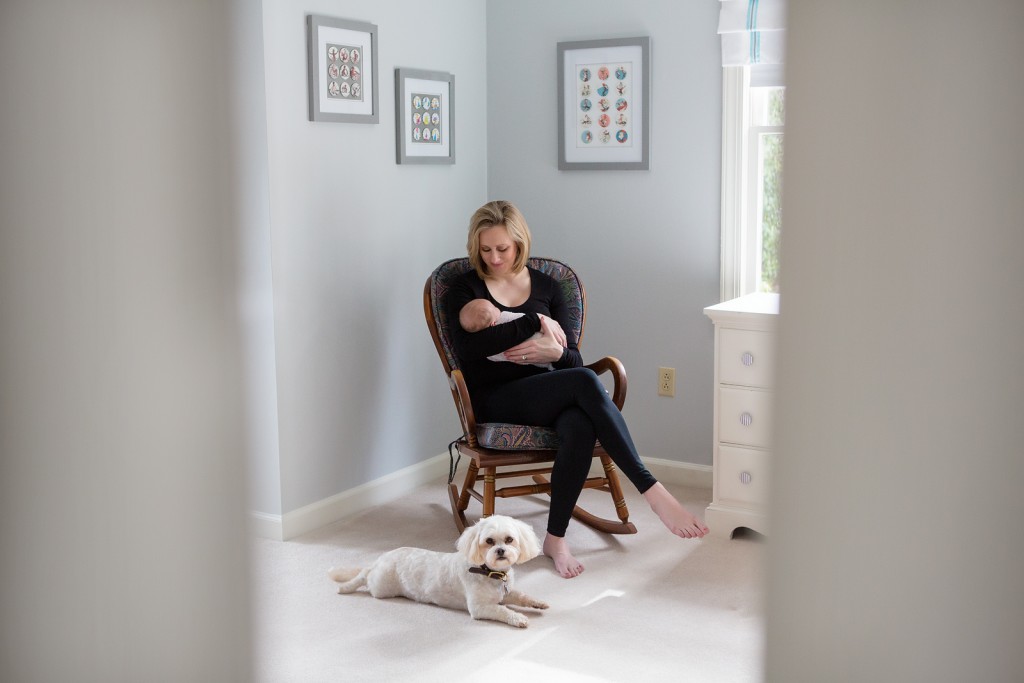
pixel 547 348
pixel 550 324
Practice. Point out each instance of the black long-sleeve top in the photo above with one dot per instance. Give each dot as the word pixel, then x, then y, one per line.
pixel 473 349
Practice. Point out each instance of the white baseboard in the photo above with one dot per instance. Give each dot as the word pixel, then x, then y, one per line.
pixel 265 525
pixel 671 472
pixel 680 473
pixel 393 486
pixel 383 490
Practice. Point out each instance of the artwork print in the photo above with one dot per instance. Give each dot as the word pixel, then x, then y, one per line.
pixel 424 116
pixel 604 112
pixel 604 104
pixel 427 124
pixel 344 72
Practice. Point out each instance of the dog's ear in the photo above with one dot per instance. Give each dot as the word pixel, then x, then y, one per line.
pixel 529 544
pixel 468 544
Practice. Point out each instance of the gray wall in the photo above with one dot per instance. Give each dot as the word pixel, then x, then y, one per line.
pixel 256 280
pixel 896 548
pixel 646 243
pixel 353 237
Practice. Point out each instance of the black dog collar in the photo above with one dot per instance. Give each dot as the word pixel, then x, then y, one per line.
pixel 489 573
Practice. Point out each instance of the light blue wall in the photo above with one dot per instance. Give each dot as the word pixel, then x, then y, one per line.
pixel 353 237
pixel 646 243
pixel 350 237
pixel 256 283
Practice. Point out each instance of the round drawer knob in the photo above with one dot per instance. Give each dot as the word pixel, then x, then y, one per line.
pixel 747 359
pixel 746 419
pixel 745 477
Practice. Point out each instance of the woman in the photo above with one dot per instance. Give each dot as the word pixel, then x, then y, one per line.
pixel 569 397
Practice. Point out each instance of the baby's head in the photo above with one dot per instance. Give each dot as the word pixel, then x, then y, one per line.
pixel 478 314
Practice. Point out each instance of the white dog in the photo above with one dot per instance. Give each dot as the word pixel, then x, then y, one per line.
pixel 477 578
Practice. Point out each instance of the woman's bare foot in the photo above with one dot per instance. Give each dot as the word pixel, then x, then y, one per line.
pixel 558 550
pixel 672 514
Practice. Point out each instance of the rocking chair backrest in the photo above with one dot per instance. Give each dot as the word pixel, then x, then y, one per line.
pixel 440 281
pixel 498 450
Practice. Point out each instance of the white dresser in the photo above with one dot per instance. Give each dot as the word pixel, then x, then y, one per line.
pixel 745 330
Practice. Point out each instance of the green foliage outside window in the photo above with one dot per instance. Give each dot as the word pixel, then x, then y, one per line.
pixel 771 216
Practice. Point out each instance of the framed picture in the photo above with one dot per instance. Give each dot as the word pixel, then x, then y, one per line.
pixel 604 113
pixel 424 117
pixel 342 70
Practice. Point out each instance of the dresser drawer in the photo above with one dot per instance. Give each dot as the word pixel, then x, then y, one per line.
pixel 744 416
pixel 746 357
pixel 742 476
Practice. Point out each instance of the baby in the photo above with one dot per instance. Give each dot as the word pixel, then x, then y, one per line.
pixel 481 313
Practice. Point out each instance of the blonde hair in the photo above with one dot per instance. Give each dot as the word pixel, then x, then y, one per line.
pixel 492 214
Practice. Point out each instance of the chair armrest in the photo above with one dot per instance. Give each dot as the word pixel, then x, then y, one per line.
pixel 461 395
pixel 618 370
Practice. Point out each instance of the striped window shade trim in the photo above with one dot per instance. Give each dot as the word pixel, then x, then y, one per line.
pixel 753 32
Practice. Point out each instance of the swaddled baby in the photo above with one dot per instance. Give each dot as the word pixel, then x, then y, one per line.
pixel 480 314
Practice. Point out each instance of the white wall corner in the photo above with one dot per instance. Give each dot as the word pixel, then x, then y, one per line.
pixel 265 525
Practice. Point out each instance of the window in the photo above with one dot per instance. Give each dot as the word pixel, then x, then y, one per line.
pixel 767 113
pixel 752 156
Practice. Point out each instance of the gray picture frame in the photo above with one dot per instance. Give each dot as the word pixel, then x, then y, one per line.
pixel 332 80
pixel 412 147
pixel 623 144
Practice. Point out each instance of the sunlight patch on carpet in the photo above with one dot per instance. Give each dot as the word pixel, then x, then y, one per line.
pixel 610 593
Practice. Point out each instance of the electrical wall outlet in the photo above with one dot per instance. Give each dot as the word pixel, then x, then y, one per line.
pixel 666 381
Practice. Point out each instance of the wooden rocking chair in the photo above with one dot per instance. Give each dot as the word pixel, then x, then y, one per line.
pixel 501 451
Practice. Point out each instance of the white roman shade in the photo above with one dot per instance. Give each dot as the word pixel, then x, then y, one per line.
pixel 753 33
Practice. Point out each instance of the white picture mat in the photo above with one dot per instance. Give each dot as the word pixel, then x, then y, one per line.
pixel 330 35
pixel 440 89
pixel 570 81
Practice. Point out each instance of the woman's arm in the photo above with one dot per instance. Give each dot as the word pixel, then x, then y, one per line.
pixel 571 357
pixel 547 299
pixel 488 341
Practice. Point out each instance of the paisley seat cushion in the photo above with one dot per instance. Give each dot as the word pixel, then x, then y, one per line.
pixel 513 437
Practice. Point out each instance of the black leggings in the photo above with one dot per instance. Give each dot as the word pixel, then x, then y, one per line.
pixel 576 405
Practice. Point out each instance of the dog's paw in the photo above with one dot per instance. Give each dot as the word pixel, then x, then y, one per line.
pixel 518 620
pixel 539 604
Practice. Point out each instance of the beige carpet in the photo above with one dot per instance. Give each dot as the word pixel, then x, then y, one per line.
pixel 649 606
